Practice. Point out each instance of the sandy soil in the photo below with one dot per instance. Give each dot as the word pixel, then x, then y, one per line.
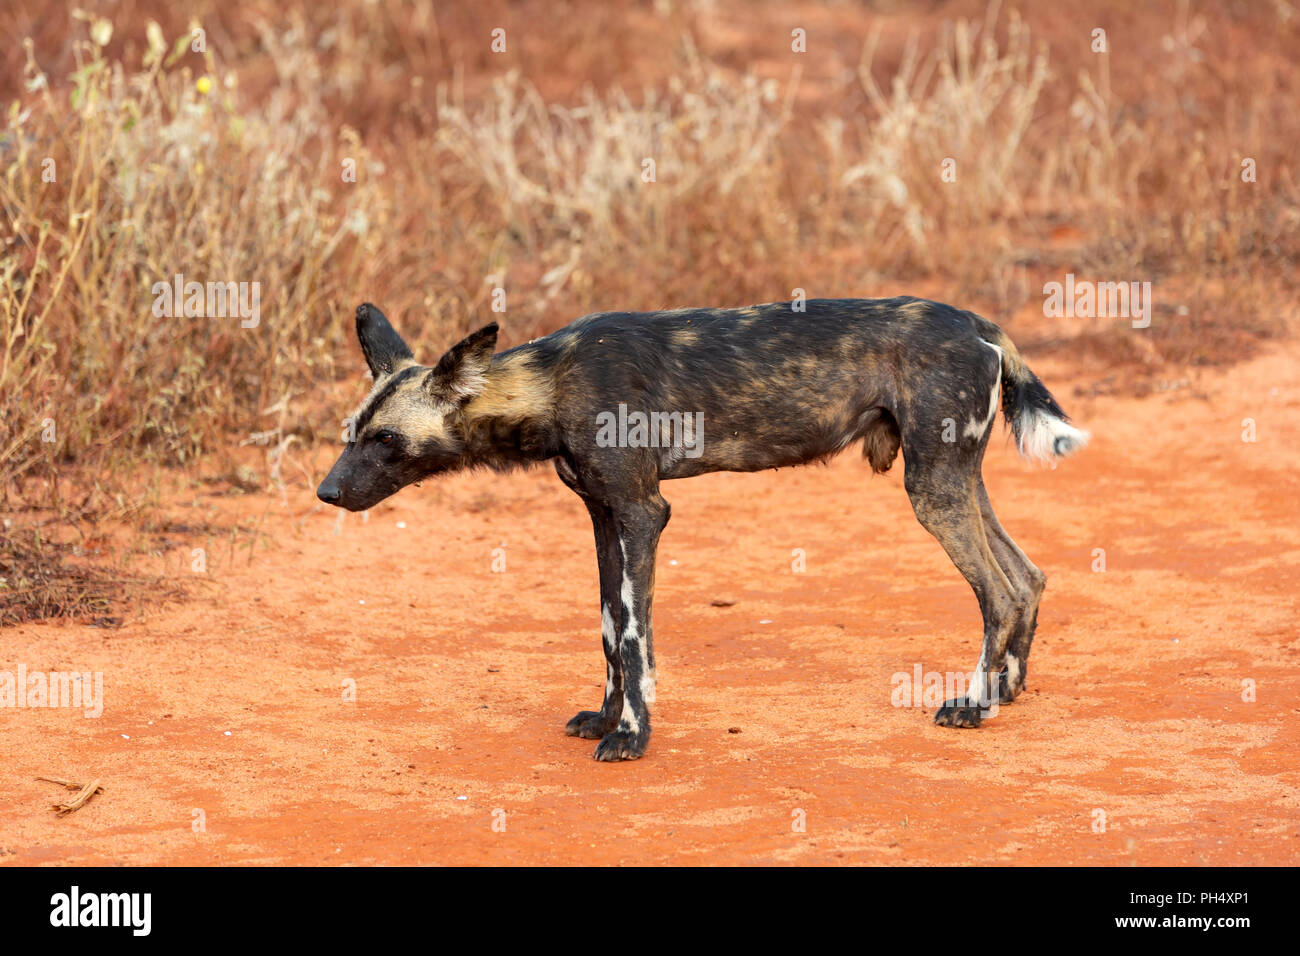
pixel 771 711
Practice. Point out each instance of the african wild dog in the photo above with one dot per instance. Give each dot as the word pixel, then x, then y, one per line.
pixel 775 387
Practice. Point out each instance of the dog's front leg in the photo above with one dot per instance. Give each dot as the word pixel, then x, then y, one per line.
pixel 638 525
pixel 595 724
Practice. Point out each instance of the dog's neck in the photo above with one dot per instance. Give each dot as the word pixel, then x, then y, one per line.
pixel 511 422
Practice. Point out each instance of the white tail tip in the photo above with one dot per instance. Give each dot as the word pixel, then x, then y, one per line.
pixel 1045 437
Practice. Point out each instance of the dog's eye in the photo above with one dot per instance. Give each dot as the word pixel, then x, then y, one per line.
pixel 384 438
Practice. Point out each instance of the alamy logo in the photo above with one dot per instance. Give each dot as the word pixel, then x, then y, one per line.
pixel 53 689
pixel 1098 300
pixel 683 431
pixel 213 300
pixel 923 688
pixel 102 909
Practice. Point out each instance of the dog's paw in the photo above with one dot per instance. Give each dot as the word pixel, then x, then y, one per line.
pixel 959 713
pixel 590 725
pixel 621 745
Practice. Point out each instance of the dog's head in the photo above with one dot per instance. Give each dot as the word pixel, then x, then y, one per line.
pixel 409 427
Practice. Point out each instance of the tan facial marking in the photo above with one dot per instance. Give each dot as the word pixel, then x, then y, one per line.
pixel 412 413
pixel 378 387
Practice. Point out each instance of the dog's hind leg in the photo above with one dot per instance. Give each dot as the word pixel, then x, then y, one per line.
pixel 943 495
pixel 1028 581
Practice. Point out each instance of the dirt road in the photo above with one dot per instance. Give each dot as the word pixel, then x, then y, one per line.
pixel 1133 743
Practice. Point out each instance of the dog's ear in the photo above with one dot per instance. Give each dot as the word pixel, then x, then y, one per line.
pixel 384 349
pixel 462 372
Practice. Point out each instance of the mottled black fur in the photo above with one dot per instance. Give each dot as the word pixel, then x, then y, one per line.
pixel 776 386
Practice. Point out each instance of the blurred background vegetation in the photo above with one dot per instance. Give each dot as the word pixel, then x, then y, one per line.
pixel 223 160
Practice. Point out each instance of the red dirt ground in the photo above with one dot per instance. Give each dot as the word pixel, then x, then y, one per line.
pixel 231 702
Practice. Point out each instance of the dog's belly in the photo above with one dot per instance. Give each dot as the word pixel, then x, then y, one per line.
pixel 808 432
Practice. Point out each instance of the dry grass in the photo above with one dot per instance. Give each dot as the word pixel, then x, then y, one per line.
pixel 155 178
pixel 772 171
pixel 38 580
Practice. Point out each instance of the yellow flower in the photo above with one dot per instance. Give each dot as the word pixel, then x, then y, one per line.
pixel 203 84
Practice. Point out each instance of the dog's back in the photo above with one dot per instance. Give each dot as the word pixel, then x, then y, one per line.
pixel 775 385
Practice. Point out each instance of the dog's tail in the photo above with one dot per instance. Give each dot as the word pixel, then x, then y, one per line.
pixel 1042 429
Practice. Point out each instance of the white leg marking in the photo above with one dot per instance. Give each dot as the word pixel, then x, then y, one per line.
pixel 979 692
pixel 975 429
pixel 1013 670
pixel 607 631
pixel 632 638
pixel 608 635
